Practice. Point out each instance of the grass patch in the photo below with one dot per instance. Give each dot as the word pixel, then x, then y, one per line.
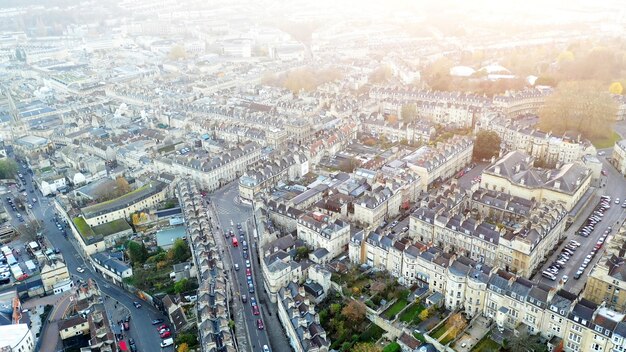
pixel 411 314
pixel 395 308
pixel 83 228
pixel 167 149
pixel 440 331
pixel 486 344
pixel 607 142
pixel 372 334
pixel 112 227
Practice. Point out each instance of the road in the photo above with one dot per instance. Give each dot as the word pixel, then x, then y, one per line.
pixel 615 187
pixel 231 212
pixel 141 330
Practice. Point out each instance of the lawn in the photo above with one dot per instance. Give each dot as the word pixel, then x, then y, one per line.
pixel 395 308
pixel 411 313
pixel 112 227
pixel 84 228
pixel 440 331
pixel 602 143
pixel 486 344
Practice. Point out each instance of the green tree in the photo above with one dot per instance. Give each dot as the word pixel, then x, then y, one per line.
pixel 392 347
pixel 138 253
pixel 335 308
pixel 191 339
pixel 409 113
pixel 8 168
pixel 302 252
pixel 582 106
pixel 181 286
pixel 179 252
pixel 487 145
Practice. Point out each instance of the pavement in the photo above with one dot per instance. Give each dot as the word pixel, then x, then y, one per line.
pixel 142 331
pixel 230 212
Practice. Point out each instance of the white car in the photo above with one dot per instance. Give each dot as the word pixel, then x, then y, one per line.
pixel 80 270
pixel 564 278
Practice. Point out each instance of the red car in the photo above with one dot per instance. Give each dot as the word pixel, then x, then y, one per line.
pixel 161 327
pixel 259 324
pixel 166 335
pixel 248 272
pixel 255 310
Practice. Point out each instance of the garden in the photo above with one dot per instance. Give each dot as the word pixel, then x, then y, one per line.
pixel 346 324
pixel 449 329
pixel 413 314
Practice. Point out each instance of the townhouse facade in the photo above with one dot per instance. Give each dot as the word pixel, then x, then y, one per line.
pixel 212 173
pixel 619 157
pixel 436 164
pixel 319 230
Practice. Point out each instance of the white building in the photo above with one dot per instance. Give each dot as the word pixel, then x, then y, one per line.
pixel 16 338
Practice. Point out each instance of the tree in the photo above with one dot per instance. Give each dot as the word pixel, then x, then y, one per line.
pixel 179 252
pixel 616 88
pixel 302 252
pixel 581 106
pixel 8 168
pixel 487 145
pixel 392 347
pixel 456 323
pixel 409 113
pixel 335 308
pixel 188 338
pixel 424 314
pixel 183 347
pixel 354 311
pixel 381 75
pixel 348 164
pixel 366 347
pixel 177 52
pixel 138 253
pixel 122 186
pixel 524 343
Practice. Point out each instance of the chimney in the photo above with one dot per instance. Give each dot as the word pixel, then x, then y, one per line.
pixel 497 169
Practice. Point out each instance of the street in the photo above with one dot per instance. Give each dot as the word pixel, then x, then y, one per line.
pixel 230 213
pixel 141 329
pixel 615 187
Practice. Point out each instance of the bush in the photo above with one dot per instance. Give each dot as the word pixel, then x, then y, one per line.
pixel 392 347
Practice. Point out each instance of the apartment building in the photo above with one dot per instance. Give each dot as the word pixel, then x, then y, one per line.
pixel 373 207
pixel 515 174
pixel 418 132
pixel 53 273
pixel 606 281
pixel 319 230
pixel 551 149
pixel 266 173
pixel 212 172
pixel 436 164
pixel 111 267
pixel 619 156
pixel 296 312
pixel 144 197
pixel 522 102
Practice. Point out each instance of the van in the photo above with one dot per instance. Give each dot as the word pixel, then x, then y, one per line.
pixel 167 342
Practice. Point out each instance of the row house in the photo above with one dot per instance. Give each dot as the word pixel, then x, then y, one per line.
pixel 373 207
pixel 212 307
pixel 436 164
pixel 212 173
pixel 318 230
pixel 522 102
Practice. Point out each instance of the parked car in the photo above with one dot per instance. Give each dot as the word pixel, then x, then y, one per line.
pixel 259 324
pixel 255 310
pixel 161 327
pixel 165 335
pixel 157 321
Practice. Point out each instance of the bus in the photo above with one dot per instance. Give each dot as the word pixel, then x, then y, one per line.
pixel 235 242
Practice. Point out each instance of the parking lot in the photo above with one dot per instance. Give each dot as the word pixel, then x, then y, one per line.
pixel 591 233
